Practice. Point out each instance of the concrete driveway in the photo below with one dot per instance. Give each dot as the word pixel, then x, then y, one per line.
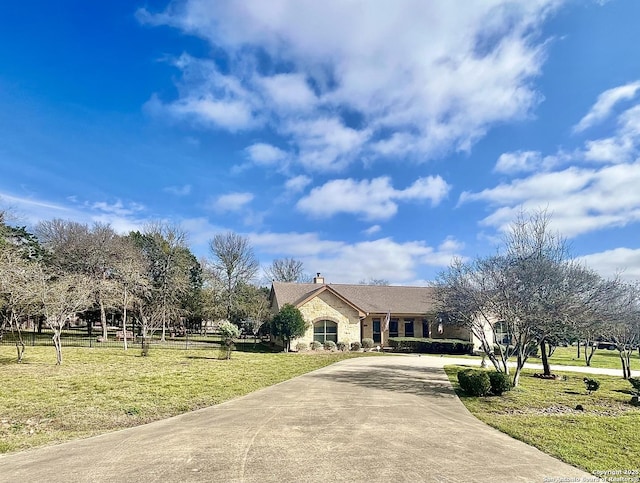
pixel 369 419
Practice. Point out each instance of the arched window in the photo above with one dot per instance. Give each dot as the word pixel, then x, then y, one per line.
pixel 325 330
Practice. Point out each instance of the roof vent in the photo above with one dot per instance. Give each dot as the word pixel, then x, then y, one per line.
pixel 318 279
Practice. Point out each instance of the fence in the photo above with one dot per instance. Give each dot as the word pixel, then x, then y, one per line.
pixel 80 338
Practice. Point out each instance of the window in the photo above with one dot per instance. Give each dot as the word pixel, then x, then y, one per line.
pixel 393 328
pixel 426 333
pixel 376 331
pixel 325 330
pixel 408 327
pixel 502 333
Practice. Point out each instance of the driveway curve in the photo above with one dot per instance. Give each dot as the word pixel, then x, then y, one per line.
pixel 388 418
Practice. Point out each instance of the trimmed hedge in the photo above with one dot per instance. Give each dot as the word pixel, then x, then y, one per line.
pixel 475 382
pixel 367 343
pixel 329 345
pixel 431 346
pixel 500 383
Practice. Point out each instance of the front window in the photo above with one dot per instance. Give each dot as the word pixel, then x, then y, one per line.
pixel 393 328
pixel 325 330
pixel 502 333
pixel 408 327
pixel 376 331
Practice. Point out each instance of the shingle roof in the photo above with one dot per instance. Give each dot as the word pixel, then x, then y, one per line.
pixel 373 299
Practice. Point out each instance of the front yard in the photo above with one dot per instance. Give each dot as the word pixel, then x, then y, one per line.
pixel 100 390
pixel 603 437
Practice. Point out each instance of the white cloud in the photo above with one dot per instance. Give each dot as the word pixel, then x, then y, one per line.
pixel 297 183
pixel 231 202
pixel 183 190
pixel 342 262
pixel 341 81
pixel 209 97
pixel 372 230
pixel 580 200
pixel 325 143
pixel 373 199
pixel 289 92
pixel 519 161
pixel 622 147
pixel 624 262
pixel 265 154
pixel 605 104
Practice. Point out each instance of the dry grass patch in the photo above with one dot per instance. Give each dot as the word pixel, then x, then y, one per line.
pixel 100 390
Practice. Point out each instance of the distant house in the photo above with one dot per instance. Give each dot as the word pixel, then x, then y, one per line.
pixel 349 313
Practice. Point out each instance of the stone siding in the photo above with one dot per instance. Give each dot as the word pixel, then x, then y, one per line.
pixel 328 306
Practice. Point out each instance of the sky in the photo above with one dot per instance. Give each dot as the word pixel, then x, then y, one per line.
pixel 369 139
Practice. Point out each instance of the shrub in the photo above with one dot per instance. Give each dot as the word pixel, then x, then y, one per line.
pixel 500 382
pixel 591 384
pixel 431 346
pixel 329 345
pixel 367 343
pixel 301 346
pixel 635 382
pixel 356 346
pixel 343 346
pixel 228 331
pixel 474 382
pixel 315 345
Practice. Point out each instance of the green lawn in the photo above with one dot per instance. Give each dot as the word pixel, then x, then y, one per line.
pixel 100 390
pixel 542 413
pixel 568 356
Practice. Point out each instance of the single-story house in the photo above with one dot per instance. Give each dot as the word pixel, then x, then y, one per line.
pixel 350 313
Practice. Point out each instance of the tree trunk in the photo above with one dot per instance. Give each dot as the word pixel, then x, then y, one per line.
pixel 589 354
pixel 103 321
pixel 57 344
pixel 546 370
pixel 124 319
pixel 164 322
pixel 624 360
pixel 19 342
pixel 585 348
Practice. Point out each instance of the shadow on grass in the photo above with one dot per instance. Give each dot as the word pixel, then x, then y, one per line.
pixel 259 348
pixel 421 381
pixel 625 391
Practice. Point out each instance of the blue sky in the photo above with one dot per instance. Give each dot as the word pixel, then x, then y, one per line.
pixel 369 139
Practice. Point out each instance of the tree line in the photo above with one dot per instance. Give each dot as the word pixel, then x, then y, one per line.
pixel 532 296
pixel 150 279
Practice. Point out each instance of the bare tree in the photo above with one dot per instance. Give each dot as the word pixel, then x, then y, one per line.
pixel 62 296
pixel 254 307
pixel 20 256
pixel 623 324
pixel 286 270
pixel 233 264
pixel 170 263
pixel 17 277
pixel 533 289
pixel 131 276
pixel 91 251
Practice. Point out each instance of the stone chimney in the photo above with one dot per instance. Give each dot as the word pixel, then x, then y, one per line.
pixel 318 279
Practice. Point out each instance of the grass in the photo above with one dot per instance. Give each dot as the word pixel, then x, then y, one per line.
pixel 604 358
pixel 100 390
pixel 568 356
pixel 542 413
